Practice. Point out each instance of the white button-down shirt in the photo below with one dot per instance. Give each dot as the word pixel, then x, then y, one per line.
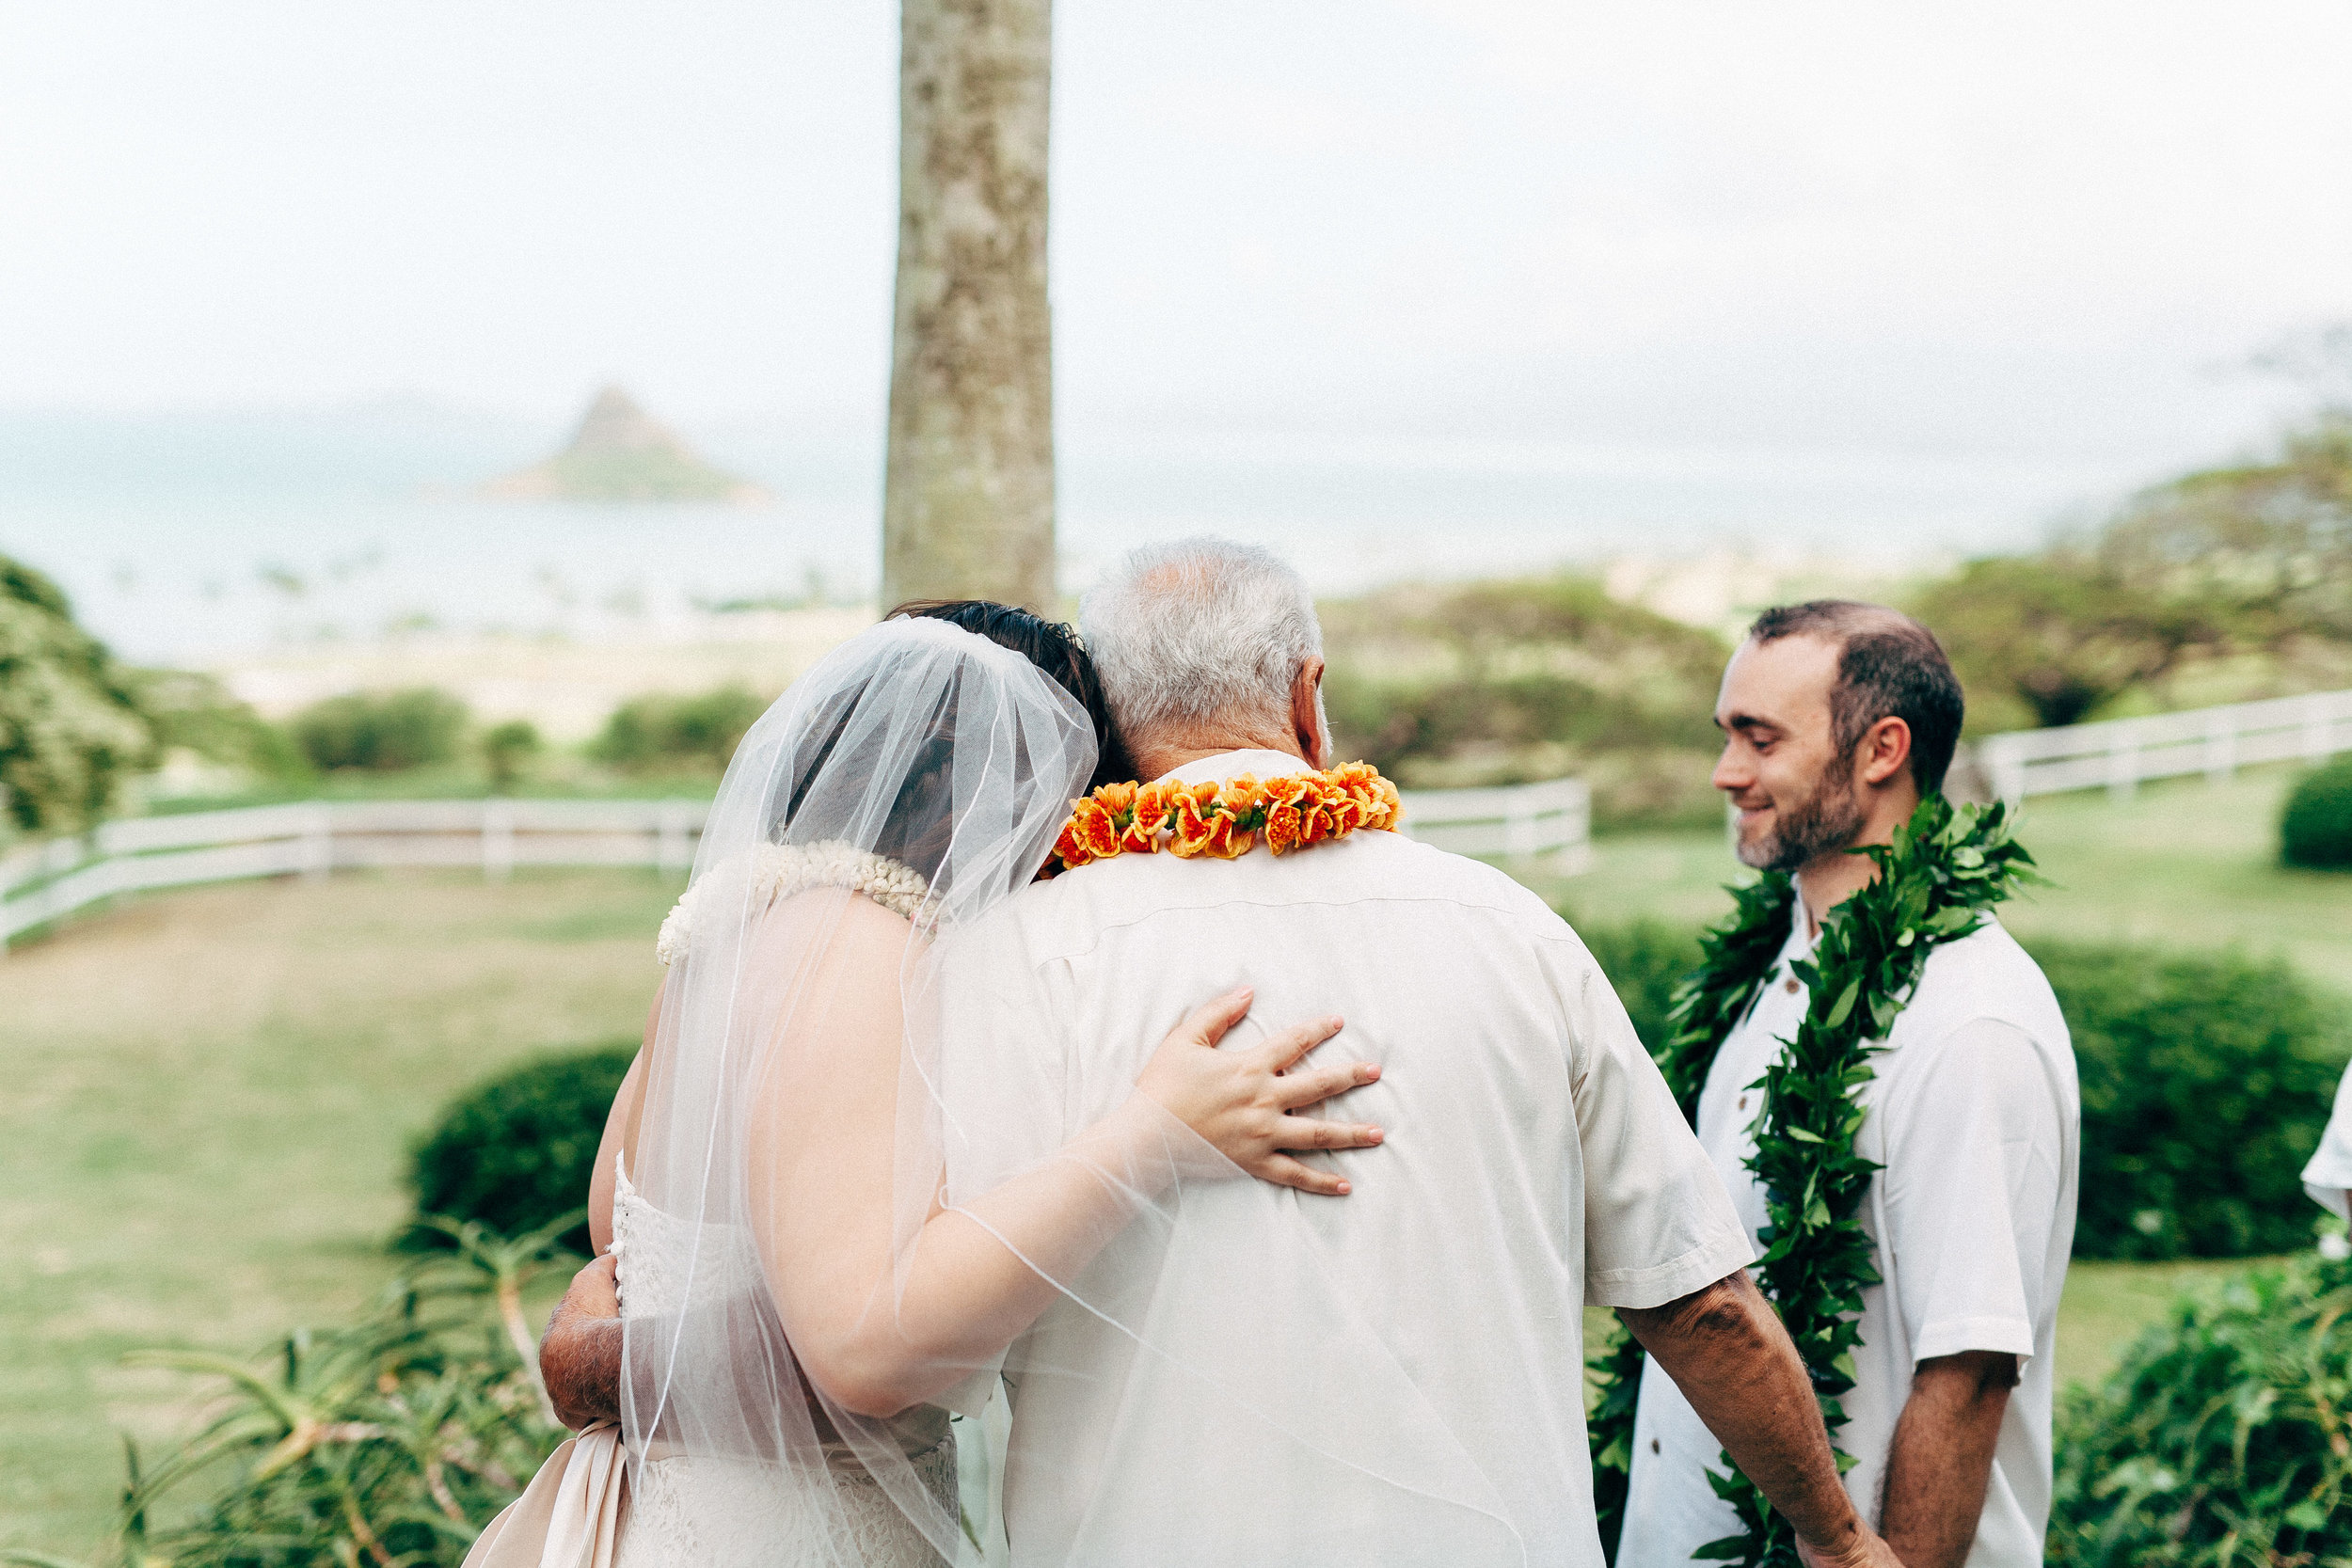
pixel 1975 1116
pixel 1394 1376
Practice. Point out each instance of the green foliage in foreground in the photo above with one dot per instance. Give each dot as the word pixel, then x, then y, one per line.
pixel 2224 1440
pixel 2206 1081
pixel 515 1152
pixel 390 1441
pixel 2315 829
pixel 381 731
pixel 71 726
pixel 659 731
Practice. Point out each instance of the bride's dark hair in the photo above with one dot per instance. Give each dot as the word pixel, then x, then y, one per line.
pixel 920 821
pixel 1054 647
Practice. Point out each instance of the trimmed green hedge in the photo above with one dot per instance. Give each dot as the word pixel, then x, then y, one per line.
pixel 2315 829
pixel 1645 961
pixel 515 1152
pixel 381 731
pixel 660 730
pixel 2221 1439
pixel 2206 1081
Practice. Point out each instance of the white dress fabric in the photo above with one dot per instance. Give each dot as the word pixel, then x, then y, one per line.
pixel 1394 1376
pixel 1974 1115
pixel 690 1509
pixel 2329 1172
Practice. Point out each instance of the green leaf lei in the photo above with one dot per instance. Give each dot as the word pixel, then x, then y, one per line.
pixel 1945 869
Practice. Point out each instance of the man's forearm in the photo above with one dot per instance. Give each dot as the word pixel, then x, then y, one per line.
pixel 1727 1350
pixel 1941 1459
pixel 580 1361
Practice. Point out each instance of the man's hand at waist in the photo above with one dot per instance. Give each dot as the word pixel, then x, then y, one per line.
pixel 1726 1348
pixel 580 1358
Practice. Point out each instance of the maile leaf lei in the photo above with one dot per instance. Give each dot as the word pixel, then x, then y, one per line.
pixel 1945 869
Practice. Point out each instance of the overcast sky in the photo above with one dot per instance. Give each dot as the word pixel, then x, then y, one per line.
pixel 2024 232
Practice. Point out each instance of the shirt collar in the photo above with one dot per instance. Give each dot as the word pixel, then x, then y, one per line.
pixel 1229 764
pixel 1801 942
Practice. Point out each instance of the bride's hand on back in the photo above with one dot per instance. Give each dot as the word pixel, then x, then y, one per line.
pixel 1244 1102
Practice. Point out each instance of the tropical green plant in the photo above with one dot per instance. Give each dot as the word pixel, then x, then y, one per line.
pixel 516 1152
pixel 2205 1085
pixel 71 725
pixel 659 730
pixel 2315 826
pixel 381 731
pixel 388 1442
pixel 2224 1439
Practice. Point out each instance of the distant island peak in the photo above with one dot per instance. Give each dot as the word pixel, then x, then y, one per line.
pixel 621 453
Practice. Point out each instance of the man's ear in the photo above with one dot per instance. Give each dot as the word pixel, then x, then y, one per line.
pixel 1306 727
pixel 1886 750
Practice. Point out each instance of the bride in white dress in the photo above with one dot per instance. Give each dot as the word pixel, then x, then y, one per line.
pixel 799 1307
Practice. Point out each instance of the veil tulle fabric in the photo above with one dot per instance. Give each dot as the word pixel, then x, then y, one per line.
pixel 931 769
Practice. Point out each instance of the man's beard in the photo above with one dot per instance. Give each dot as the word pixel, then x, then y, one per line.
pixel 1827 819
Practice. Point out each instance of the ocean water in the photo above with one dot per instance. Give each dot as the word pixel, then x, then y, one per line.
pixel 185 538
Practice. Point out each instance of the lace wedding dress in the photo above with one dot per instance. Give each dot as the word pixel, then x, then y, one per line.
pixel 690 1511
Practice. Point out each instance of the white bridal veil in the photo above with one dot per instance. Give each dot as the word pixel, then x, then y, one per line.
pixel 929 769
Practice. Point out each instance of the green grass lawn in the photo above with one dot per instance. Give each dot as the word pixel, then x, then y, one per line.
pixel 208 1099
pixel 209 1094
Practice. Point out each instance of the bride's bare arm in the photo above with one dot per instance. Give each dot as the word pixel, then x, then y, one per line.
pixel 620 1136
pixel 824 1147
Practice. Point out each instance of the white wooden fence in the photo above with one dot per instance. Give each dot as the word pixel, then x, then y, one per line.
pixel 1547 826
pixel 2120 754
pixel 1543 824
pixel 313 838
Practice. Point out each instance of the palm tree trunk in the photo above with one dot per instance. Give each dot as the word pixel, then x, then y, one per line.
pixel 968 501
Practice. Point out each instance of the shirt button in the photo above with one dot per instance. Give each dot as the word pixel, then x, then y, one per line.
pixel 1790 985
pixel 1653 1445
pixel 1744 1102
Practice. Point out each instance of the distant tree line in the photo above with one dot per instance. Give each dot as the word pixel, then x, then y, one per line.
pixel 2224 585
pixel 2221 585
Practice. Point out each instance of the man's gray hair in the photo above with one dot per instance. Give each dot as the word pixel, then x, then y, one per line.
pixel 1200 631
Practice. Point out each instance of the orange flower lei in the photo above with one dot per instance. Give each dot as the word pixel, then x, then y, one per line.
pixel 1223 820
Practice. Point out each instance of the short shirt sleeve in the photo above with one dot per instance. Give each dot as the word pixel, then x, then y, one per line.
pixel 1658 1222
pixel 2329 1172
pixel 1973 1155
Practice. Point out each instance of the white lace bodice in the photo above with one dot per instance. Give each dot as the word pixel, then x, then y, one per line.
pixel 777 871
pixel 694 1511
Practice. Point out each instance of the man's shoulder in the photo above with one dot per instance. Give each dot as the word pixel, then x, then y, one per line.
pixel 1985 976
pixel 1070 912
pixel 1988 965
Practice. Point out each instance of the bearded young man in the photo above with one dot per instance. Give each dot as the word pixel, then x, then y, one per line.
pixel 1837 719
